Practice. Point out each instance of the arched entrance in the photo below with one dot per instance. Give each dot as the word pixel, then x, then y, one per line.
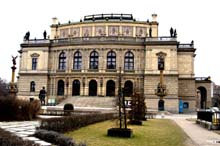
pixel 203 97
pixel 60 88
pixel 110 88
pixel 92 88
pixel 128 88
pixel 76 88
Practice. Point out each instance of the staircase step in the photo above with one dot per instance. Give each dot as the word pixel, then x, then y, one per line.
pixel 90 101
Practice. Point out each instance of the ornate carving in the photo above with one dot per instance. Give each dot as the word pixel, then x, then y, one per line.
pixel 87 31
pixel 74 32
pixel 113 30
pixel 100 31
pixel 35 55
pixel 141 31
pixel 64 33
pixel 127 30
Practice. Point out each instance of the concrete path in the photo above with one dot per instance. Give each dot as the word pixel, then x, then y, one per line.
pixel 24 129
pixel 199 135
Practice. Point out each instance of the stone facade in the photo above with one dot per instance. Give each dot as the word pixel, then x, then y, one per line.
pixel 75 61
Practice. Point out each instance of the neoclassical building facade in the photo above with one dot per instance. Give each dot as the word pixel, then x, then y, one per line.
pixel 86 58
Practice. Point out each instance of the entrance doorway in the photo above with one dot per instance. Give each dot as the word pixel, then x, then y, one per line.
pixel 110 88
pixel 128 88
pixel 92 88
pixel 60 88
pixel 76 88
pixel 203 97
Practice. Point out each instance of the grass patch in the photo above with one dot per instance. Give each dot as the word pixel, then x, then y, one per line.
pixel 152 133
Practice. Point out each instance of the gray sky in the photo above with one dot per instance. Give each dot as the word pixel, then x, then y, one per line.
pixel 194 20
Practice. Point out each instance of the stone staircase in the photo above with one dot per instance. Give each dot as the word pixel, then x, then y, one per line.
pixel 90 101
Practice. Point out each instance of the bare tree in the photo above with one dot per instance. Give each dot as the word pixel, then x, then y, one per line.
pixel 3 88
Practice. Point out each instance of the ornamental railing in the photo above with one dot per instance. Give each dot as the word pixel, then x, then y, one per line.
pixel 100 39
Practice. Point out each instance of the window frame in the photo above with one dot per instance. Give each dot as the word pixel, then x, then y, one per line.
pixel 34 63
pixel 32 86
pixel 62 61
pixel 94 60
pixel 111 60
pixel 129 61
pixel 77 60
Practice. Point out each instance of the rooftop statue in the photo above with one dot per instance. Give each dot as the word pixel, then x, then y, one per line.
pixel 14 60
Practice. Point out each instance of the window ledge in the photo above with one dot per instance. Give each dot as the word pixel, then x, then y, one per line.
pixel 76 70
pixel 110 70
pixel 93 70
pixel 61 70
pixel 129 70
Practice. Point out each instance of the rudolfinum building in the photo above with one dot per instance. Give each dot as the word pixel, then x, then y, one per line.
pixel 86 58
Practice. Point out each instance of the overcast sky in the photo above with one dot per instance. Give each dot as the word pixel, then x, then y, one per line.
pixel 194 20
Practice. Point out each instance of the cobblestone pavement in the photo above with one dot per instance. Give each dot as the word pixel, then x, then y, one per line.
pixel 24 129
pixel 199 135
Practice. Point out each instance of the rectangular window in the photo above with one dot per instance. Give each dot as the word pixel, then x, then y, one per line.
pixel 34 63
pixel 185 105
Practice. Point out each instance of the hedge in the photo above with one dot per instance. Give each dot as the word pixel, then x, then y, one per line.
pixel 56 138
pixel 8 139
pixel 74 122
pixel 18 110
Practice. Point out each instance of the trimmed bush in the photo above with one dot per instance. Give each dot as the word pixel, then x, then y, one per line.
pixel 67 108
pixel 56 138
pixel 8 139
pixel 120 132
pixel 74 122
pixel 18 110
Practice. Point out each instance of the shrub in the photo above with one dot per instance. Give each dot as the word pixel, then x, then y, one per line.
pixel 68 106
pixel 56 138
pixel 74 122
pixel 18 110
pixel 138 109
pixel 120 132
pixel 8 139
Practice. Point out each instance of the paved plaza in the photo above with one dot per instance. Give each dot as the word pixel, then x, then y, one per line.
pixel 199 135
pixel 24 129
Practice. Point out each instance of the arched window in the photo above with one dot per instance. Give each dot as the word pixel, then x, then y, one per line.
pixel 62 61
pixel 94 60
pixel 76 88
pixel 77 61
pixel 32 86
pixel 129 61
pixel 60 88
pixel 111 60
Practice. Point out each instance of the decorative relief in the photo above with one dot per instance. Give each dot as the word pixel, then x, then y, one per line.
pixel 87 31
pixel 100 31
pixel 127 30
pixel 64 33
pixel 74 32
pixel 113 30
pixel 35 55
pixel 141 31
